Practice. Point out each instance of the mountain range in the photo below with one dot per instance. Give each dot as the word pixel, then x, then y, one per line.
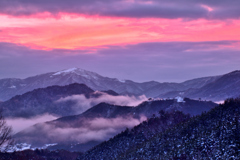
pixel 215 88
pixel 11 87
pixel 93 108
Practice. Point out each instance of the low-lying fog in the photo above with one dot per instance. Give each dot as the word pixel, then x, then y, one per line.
pixel 82 103
pixel 19 124
pixel 96 129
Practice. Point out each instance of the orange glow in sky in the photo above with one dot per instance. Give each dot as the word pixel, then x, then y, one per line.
pixel 71 31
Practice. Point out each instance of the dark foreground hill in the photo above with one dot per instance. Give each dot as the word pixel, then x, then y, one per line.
pixel 212 135
pixel 39 155
pixel 141 133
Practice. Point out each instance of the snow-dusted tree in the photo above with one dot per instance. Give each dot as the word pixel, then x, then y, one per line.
pixel 5 134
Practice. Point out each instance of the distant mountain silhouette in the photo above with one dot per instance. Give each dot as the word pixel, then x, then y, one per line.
pixel 217 89
pixel 11 87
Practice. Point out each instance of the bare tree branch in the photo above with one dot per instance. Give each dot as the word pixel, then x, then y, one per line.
pixel 5 134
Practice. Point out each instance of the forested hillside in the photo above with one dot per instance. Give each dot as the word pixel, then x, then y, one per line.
pixel 212 135
pixel 138 135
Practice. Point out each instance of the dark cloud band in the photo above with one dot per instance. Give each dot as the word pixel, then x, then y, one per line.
pixel 189 9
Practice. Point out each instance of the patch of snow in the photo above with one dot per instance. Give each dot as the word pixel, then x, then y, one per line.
pixel 86 76
pixel 12 87
pixel 20 147
pixel 220 102
pixel 25 146
pixel 122 80
pixel 49 145
pixel 95 77
pixel 179 99
pixel 65 71
pixel 181 93
pixel 78 71
pixel 89 76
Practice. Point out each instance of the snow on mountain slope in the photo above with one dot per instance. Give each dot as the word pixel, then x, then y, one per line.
pixel 79 72
pixel 65 71
pixel 12 87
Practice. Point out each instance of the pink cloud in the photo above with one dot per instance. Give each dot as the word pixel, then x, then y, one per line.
pixel 70 31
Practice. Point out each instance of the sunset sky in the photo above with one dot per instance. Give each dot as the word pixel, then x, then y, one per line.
pixel 141 40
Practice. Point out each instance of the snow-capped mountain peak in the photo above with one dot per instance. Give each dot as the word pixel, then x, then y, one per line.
pixel 78 72
pixel 71 70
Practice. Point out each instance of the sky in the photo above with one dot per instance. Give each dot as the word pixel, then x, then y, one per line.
pixel 141 40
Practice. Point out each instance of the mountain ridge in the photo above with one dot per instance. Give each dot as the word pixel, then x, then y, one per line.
pixel 223 87
pixel 9 87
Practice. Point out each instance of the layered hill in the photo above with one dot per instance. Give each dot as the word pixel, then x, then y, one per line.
pixel 101 122
pixel 49 100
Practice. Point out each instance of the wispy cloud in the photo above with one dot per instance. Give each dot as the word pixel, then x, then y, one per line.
pixel 19 124
pixel 81 32
pixel 97 129
pixel 83 103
